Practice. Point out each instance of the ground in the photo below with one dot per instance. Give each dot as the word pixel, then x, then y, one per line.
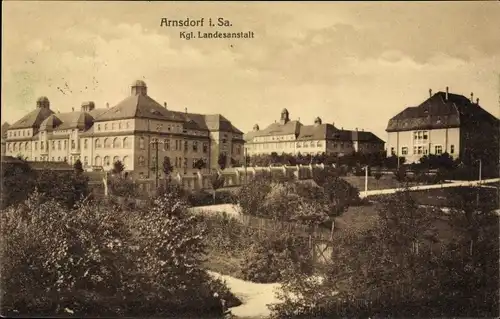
pixel 255 297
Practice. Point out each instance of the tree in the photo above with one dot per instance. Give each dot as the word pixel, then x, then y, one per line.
pixel 222 161
pixel 118 167
pixel 167 167
pixel 18 181
pixel 200 164
pixel 78 167
pixel 217 181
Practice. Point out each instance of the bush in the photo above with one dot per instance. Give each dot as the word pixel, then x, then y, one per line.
pixel 204 198
pixel 270 256
pixel 97 260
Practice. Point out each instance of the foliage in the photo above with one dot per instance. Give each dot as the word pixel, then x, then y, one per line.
pixel 203 198
pixel 78 167
pixel 377 174
pixel 222 161
pixel 18 180
pixel 216 181
pixel 123 187
pixel 401 174
pixel 64 187
pixel 118 168
pixel 200 164
pixel 99 261
pixel 270 255
pixel 441 161
pixel 392 161
pixel 167 167
pixel 394 270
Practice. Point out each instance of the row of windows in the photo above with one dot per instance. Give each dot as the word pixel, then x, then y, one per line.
pixel 179 146
pixel 113 126
pixel 423 150
pixel 420 135
pixel 110 143
pixel 19 133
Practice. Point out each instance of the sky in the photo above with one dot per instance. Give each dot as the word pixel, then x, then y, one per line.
pixel 353 64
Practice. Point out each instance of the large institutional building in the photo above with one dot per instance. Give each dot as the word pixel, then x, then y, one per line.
pixel 128 132
pixel 292 137
pixel 445 122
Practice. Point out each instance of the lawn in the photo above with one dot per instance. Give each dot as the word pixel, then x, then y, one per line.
pixel 385 182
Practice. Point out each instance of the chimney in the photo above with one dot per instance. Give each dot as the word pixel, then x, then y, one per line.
pixel 472 97
pixel 356 129
pixel 477 101
pixel 107 105
pixel 430 92
pixel 72 109
pixel 186 110
pixel 447 89
pixel 165 104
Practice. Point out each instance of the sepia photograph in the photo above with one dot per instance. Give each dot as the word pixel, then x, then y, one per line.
pixel 250 160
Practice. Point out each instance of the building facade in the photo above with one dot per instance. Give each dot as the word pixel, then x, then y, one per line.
pixel 4 128
pixel 444 123
pixel 292 137
pixel 129 132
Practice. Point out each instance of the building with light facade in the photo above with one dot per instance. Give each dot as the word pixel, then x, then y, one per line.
pixel 444 123
pixel 292 137
pixel 128 132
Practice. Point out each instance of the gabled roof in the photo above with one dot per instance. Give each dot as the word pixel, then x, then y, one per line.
pixel 276 129
pixel 438 112
pixel 318 132
pixel 33 118
pixel 138 106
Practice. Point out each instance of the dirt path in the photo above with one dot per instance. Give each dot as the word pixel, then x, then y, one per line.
pixel 255 297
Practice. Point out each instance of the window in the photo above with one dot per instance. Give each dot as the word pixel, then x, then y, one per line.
pixel 141 143
pixel 186 146
pixel 185 162
pixel 392 151
pixel 53 145
pixel 126 161
pixel 53 159
pixel 115 159
pixel 65 144
pixel 58 158
pixel 166 145
pixel 116 143
pixel 452 149
pixel 36 146
pixel 141 161
pixel 438 149
pixel 420 150
pixel 35 159
pixel 404 151
pixel 58 145
pixel 85 161
pixel 41 146
pixel 98 161
pixel 98 127
pixel 126 142
pixel 106 161
pixel 113 126
pixel 26 147
pixel 119 125
pixel 98 144
pixel 107 143
pixel 106 126
pixel 176 162
pixel 73 146
pixel 85 143
pixel 195 146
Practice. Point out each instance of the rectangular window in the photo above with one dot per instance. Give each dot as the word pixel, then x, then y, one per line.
pixel 195 146
pixel 452 149
pixel 420 150
pixel 205 147
pixel 414 150
pixel 438 149
pixel 404 151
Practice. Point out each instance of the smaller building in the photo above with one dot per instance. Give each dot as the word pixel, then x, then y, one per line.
pixel 4 129
pixel 444 123
pixel 292 137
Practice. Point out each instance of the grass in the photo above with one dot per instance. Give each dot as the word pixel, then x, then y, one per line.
pixel 385 182
pixel 224 263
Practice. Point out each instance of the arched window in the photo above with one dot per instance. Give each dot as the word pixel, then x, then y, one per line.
pixel 85 161
pixel 58 158
pixel 98 161
pixel 126 162
pixel 116 142
pixel 106 161
pixel 126 142
pixel 166 145
pixel 107 143
pixel 141 143
pixel 116 159
pixel 98 144
pixel 26 147
pixel 15 147
pixel 141 161
pixel 21 146
pixel 85 143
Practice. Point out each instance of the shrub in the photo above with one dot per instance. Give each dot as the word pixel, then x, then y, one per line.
pixel 99 261
pixel 270 256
